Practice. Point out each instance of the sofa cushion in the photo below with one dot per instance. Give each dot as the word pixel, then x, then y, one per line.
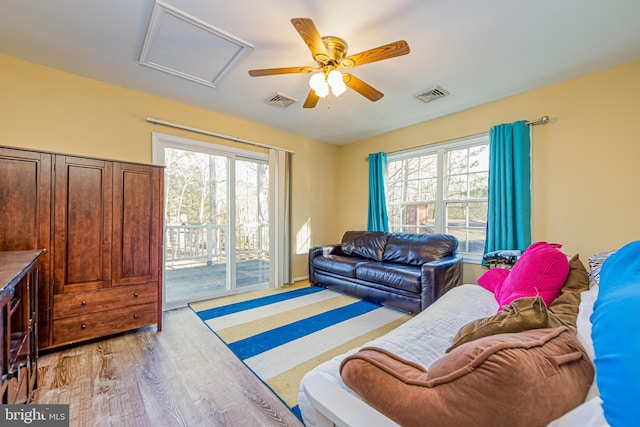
pixel 417 249
pixel 338 264
pixel 367 244
pixel 404 277
pixel 541 271
pixel 524 379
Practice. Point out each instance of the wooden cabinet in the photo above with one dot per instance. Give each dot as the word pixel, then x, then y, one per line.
pixel 25 216
pixel 19 324
pixel 137 216
pixel 105 243
pixel 82 224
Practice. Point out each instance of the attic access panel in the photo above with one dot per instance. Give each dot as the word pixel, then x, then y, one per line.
pixel 186 47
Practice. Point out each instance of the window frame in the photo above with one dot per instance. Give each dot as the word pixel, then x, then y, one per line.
pixel 441 149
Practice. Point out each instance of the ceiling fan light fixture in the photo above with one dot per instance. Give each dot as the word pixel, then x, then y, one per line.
pixel 319 85
pixel 338 90
pixel 334 78
pixel 336 82
pixel 330 52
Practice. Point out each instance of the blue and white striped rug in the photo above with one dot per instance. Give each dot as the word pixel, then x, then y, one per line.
pixel 281 334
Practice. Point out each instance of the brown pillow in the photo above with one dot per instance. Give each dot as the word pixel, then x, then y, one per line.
pixel 524 379
pixel 521 315
pixel 564 309
pixel 530 313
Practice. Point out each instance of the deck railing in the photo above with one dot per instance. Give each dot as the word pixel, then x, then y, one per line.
pixel 207 242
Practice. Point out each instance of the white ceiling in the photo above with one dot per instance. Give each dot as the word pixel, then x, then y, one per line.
pixel 479 51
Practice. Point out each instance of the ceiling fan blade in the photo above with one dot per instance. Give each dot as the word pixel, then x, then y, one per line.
pixel 309 33
pixel 362 88
pixel 274 71
pixel 379 53
pixel 312 100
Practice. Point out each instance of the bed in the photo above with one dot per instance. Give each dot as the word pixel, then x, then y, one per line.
pixel 325 400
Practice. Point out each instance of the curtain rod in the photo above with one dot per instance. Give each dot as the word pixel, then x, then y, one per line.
pixel 217 135
pixel 541 121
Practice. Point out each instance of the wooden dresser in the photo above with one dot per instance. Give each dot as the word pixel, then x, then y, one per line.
pixel 101 223
pixel 19 324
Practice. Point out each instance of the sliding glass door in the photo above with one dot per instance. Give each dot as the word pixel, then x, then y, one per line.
pixel 251 223
pixel 216 220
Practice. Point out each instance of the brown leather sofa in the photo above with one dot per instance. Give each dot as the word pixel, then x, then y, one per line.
pixel 401 270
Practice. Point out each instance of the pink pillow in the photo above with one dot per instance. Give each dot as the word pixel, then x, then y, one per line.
pixel 541 271
pixel 492 279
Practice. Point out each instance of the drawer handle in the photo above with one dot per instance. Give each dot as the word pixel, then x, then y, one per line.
pixel 135 294
pixel 83 303
pixel 135 316
pixel 83 326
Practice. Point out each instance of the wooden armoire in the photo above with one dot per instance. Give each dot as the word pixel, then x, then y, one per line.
pixel 101 222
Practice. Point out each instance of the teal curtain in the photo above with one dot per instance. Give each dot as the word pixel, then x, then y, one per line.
pixel 509 212
pixel 377 219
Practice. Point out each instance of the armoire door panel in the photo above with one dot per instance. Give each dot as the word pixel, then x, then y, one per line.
pixel 136 219
pixel 25 217
pixel 19 203
pixel 83 201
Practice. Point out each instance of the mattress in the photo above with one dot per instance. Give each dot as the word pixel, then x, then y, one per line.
pixel 422 340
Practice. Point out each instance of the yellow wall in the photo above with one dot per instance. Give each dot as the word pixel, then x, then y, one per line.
pixel 46 109
pixel 586 161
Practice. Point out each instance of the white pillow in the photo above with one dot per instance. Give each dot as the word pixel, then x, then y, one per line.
pixel 589 414
pixel 583 321
pixel 583 326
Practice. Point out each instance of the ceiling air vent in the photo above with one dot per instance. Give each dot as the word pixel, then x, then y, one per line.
pixel 186 47
pixel 432 94
pixel 280 100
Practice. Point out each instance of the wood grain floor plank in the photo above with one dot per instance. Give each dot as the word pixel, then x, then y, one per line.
pixel 183 376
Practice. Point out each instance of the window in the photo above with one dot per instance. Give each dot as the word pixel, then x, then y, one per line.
pixel 442 188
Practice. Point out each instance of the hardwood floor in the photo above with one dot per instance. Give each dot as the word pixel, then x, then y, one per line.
pixel 182 376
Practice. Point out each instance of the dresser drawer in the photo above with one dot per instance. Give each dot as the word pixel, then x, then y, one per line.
pixel 79 328
pixel 76 303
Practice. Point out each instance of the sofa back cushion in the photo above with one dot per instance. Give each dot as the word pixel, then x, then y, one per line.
pixel 417 249
pixel 366 244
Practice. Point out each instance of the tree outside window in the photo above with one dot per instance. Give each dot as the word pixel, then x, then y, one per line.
pixel 442 189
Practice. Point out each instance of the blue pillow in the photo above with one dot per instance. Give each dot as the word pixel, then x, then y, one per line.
pixel 616 336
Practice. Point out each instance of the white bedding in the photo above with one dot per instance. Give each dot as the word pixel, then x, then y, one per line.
pixel 423 339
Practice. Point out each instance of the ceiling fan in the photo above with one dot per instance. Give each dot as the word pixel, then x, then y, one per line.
pixel 330 53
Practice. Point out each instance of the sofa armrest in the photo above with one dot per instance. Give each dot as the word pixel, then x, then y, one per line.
pixel 335 406
pixel 438 277
pixel 325 250
pixel 320 251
